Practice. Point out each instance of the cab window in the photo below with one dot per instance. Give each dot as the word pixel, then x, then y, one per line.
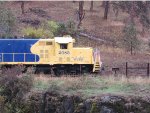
pixel 63 46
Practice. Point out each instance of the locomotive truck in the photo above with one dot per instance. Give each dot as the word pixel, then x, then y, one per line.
pixel 56 55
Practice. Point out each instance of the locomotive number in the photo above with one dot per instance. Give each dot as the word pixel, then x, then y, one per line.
pixel 64 52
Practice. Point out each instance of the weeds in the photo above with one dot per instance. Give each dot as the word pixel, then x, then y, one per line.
pixel 90 86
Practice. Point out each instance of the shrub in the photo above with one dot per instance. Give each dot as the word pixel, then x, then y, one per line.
pixel 7 22
pixel 50 29
pixel 53 27
pixel 14 88
pixel 60 29
pixel 37 33
pixel 71 28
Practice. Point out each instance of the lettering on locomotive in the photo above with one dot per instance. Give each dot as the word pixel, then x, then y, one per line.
pixel 78 59
pixel 64 52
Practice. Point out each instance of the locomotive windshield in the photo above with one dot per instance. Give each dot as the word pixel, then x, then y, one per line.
pixel 63 46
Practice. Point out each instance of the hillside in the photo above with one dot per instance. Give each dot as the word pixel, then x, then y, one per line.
pixel 109 30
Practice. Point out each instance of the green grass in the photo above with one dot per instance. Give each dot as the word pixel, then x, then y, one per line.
pixel 91 86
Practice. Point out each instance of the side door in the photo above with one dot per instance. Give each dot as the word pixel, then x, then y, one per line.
pixel 64 53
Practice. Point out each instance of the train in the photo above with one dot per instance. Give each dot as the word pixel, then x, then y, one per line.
pixel 57 55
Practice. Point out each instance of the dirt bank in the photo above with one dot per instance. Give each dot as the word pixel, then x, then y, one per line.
pixel 60 103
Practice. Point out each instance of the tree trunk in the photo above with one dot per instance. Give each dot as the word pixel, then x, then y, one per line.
pixel 106 10
pixel 81 12
pixel 132 12
pixel 81 3
pixel 22 7
pixel 103 4
pixel 91 7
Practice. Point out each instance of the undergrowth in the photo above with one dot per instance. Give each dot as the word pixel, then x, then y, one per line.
pixel 91 86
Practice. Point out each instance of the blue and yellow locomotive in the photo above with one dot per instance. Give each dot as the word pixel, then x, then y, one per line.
pixel 57 54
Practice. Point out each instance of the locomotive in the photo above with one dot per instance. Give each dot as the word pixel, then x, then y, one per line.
pixel 56 55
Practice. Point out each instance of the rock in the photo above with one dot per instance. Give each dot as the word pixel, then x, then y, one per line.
pixel 68 105
pixel 88 105
pixel 105 109
pixel 57 103
pixel 110 99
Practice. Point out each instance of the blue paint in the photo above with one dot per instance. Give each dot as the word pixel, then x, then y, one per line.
pixel 0 57
pixel 18 46
pixel 8 57
pixel 19 58
pixel 30 57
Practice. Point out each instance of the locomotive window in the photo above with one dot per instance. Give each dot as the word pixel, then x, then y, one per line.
pixel 48 43
pixel 46 51
pixel 41 55
pixel 63 46
pixel 41 51
pixel 46 55
pixel 41 43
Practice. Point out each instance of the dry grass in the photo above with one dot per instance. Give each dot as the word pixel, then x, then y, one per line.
pixel 90 86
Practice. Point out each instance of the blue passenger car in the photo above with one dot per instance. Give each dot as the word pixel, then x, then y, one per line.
pixel 17 50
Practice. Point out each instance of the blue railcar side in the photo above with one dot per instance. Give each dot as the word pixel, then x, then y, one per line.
pixel 17 50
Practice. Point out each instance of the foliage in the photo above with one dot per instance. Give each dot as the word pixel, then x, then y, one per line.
pixel 90 86
pixel 139 9
pixel 50 29
pixel 53 27
pixel 37 33
pixel 14 88
pixel 71 28
pixel 60 29
pixel 130 37
pixel 7 22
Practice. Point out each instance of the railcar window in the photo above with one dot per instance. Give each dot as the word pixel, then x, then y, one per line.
pixel 63 46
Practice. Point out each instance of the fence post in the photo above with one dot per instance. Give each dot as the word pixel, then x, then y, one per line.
pixel 126 69
pixel 147 69
pixel 131 48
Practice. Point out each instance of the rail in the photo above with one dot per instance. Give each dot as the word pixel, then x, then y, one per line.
pixel 14 54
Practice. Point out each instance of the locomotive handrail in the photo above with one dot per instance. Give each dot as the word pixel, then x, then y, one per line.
pixel 2 57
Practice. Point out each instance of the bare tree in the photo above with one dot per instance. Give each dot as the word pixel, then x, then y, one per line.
pixel 103 4
pixel 106 8
pixel 81 13
pixel 22 7
pixel 91 6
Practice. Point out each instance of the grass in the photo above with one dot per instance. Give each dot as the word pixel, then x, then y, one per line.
pixel 92 86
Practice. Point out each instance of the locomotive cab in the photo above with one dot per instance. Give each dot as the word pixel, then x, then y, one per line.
pixel 63 49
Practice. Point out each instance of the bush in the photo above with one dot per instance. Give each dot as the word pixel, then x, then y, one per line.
pixel 14 88
pixel 71 28
pixel 50 29
pixel 7 22
pixel 53 27
pixel 37 33
pixel 60 29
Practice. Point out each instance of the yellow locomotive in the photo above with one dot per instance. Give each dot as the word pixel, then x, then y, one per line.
pixel 58 55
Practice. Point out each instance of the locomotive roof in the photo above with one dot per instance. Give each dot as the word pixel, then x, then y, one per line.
pixel 56 39
pixel 63 39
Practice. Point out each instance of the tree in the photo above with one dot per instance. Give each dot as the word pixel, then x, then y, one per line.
pixel 136 9
pixel 22 7
pixel 7 22
pixel 103 4
pixel 106 9
pixel 91 6
pixel 130 40
pixel 81 13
